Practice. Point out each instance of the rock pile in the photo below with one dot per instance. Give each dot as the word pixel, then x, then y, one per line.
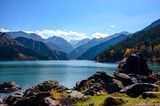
pixel 132 76
pixel 134 64
pixel 9 87
pixel 47 93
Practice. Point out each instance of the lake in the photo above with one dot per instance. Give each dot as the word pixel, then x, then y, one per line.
pixel 27 73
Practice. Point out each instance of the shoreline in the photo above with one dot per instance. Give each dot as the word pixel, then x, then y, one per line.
pixel 53 87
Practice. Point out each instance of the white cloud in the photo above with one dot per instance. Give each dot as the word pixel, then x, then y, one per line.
pixel 112 26
pixel 49 33
pixel 68 35
pixel 4 30
pixel 100 35
pixel 65 34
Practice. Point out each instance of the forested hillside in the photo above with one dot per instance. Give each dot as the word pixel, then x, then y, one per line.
pixel 146 42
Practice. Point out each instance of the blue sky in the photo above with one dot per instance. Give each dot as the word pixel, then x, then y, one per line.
pixel 82 18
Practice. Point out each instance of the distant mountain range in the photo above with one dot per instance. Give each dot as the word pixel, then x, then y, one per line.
pixel 146 42
pixel 77 52
pixel 75 48
pixel 17 34
pixel 91 53
pixel 77 43
pixel 57 43
pixel 61 44
pixel 20 45
pixel 26 49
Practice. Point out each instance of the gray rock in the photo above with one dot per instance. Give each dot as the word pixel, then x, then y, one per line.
pixel 44 86
pixel 125 79
pixel 134 64
pixel 112 101
pixel 115 86
pixel 36 95
pixel 142 78
pixel 124 90
pixel 12 99
pixel 157 83
pixel 156 75
pixel 150 94
pixel 9 87
pixel 77 95
pixel 99 82
pixel 35 100
pixel 50 102
pixel 137 89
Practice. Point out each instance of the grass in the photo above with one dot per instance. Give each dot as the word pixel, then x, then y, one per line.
pixel 55 94
pixel 98 100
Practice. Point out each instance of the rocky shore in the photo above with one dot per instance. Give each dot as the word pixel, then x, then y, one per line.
pixel 132 82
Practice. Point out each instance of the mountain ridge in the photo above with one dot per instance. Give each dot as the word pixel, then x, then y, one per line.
pixel 146 42
pixel 33 36
pixel 27 49
pixel 91 53
pixel 93 42
pixel 62 44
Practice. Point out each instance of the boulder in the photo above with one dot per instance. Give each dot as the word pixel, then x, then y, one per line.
pixel 50 102
pixel 80 85
pixel 101 75
pixel 157 83
pixel 76 95
pixel 125 79
pixel 95 89
pixel 99 82
pixel 36 95
pixel 156 75
pixel 44 86
pixel 124 90
pixel 129 79
pixel 112 101
pixel 66 101
pixel 12 99
pixel 137 89
pixel 34 100
pixel 134 64
pixel 150 94
pixel 9 87
pixel 142 78
pixel 115 86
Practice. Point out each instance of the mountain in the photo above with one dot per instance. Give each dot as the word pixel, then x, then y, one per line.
pixel 82 42
pixel 77 43
pixel 27 49
pixel 26 35
pixel 42 48
pixel 146 42
pixel 91 53
pixel 93 42
pixel 155 23
pixel 6 40
pixel 32 36
pixel 61 43
pixel 74 42
pixel 14 50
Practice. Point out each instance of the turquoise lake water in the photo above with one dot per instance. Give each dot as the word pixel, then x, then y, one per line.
pixel 27 73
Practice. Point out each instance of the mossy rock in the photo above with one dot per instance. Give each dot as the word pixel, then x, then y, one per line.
pixel 112 101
